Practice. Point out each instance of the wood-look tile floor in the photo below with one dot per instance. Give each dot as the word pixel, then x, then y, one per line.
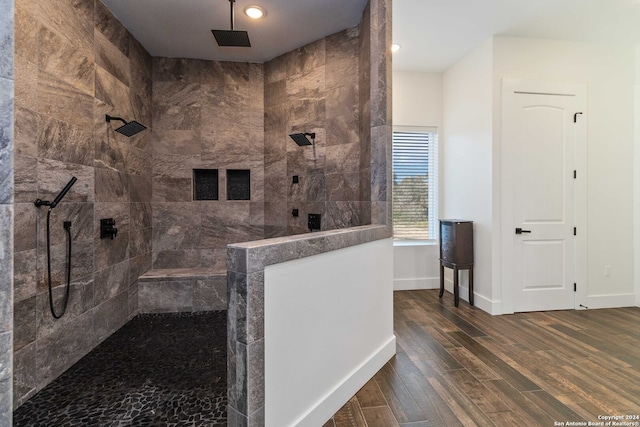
pixel 459 366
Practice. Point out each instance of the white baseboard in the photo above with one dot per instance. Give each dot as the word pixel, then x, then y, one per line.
pixel 415 284
pixel 480 301
pixel 612 301
pixel 336 398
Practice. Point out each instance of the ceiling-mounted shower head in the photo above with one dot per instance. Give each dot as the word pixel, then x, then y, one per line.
pixel 129 128
pixel 231 38
pixel 301 138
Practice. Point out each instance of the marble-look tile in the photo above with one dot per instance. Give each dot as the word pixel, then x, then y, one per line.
pixel 167 189
pixel 343 45
pixel 26 84
pixel 110 282
pixel 275 117
pixel 6 140
pixel 343 102
pixel 210 293
pixel 65 142
pixel 110 152
pixel 110 28
pixel 186 258
pixel 108 252
pixel 343 72
pixel 111 315
pixel 141 216
pixel 25 32
pixel 74 19
pixel 6 38
pixel 167 117
pixel 112 59
pixel 140 241
pixel 63 101
pixel 58 351
pixel 306 58
pixel 343 214
pixel 139 164
pixel 311 187
pixel 25 227
pixel 306 114
pixel 82 263
pixel 80 301
pixel 177 93
pixel 24 323
pixel 24 275
pixel 113 92
pixel 275 93
pixel 111 186
pixel 231 73
pixel 24 374
pixel 140 188
pixel 133 300
pixel 66 61
pixel 276 69
pixel 171 142
pixel 246 379
pixel 141 65
pixel 171 296
pixel 343 187
pixel 25 141
pixel 343 158
pixel 138 266
pixel 310 85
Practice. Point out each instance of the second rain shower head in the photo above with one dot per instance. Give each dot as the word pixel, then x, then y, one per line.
pixel 231 38
pixel 129 128
pixel 301 138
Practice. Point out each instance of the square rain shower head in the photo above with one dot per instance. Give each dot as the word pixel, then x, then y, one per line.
pixel 131 128
pixel 301 138
pixel 231 38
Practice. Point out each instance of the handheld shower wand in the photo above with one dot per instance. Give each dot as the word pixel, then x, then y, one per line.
pixel 67 227
pixel 59 197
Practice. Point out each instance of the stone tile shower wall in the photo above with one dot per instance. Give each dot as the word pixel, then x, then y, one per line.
pixel 315 88
pixel 74 63
pixel 6 210
pixel 206 115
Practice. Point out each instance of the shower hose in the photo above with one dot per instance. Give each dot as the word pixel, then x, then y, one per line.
pixel 67 226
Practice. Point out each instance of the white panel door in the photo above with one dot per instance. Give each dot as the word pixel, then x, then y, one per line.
pixel 540 130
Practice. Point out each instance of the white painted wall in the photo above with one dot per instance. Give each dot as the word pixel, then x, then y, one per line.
pixel 636 180
pixel 609 71
pixel 328 330
pixel 417 101
pixel 467 161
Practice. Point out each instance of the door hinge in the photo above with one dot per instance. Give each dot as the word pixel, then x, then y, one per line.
pixel 575 231
pixel 575 174
pixel 575 287
pixel 575 117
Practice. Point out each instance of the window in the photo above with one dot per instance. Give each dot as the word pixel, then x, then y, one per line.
pixel 415 183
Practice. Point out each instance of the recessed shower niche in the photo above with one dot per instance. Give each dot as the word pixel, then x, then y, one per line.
pixel 238 184
pixel 205 184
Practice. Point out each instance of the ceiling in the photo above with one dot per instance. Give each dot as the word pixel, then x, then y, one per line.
pixel 434 34
pixel 182 28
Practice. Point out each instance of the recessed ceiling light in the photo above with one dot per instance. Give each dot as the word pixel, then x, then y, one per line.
pixel 254 12
pixel 395 47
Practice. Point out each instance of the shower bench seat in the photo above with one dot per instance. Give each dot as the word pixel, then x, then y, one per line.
pixel 182 290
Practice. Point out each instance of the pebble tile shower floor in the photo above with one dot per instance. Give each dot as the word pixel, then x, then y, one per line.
pixel 157 370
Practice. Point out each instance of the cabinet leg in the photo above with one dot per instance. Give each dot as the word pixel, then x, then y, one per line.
pixel 441 280
pixel 455 287
pixel 471 285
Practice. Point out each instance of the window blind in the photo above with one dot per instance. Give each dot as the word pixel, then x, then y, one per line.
pixel 415 184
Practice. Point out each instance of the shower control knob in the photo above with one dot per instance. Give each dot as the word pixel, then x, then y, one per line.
pixel 107 228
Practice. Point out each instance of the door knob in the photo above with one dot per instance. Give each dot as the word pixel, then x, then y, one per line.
pixel 520 231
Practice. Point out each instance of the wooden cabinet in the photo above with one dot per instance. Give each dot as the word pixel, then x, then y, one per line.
pixel 456 252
